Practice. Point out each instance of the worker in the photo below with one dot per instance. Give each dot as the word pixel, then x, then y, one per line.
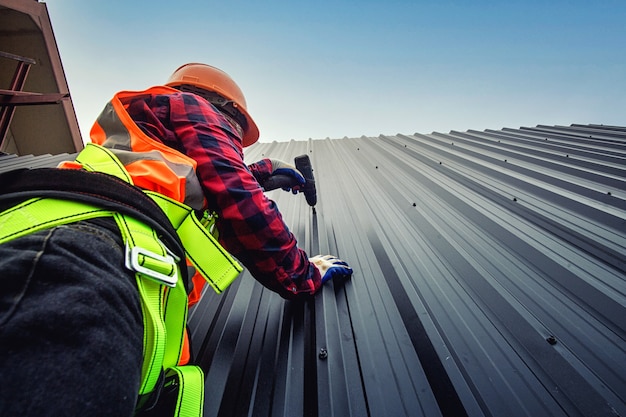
pixel 91 255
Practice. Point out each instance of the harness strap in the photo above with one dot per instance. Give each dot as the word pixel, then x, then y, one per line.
pixel 189 379
pixel 209 258
pixel 96 158
pixel 162 295
pixel 39 214
pixel 96 189
pixel 144 252
pixel 215 265
pixel 164 309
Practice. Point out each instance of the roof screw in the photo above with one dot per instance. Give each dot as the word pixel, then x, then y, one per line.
pixel 323 354
pixel 414 205
pixel 514 198
pixel 551 340
pixel 609 193
pixel 376 166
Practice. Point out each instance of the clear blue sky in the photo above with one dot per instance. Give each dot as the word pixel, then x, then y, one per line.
pixel 317 69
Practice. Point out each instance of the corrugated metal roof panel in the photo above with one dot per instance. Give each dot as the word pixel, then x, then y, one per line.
pixel 489 281
pixel 10 162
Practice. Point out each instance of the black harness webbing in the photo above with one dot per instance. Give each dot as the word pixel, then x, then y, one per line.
pixel 103 190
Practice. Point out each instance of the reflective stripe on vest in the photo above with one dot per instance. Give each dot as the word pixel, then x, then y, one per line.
pixel 152 165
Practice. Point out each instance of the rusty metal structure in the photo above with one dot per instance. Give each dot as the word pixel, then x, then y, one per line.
pixel 36 112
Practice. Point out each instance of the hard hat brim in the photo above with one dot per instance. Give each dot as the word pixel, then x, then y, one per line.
pixel 251 134
pixel 209 78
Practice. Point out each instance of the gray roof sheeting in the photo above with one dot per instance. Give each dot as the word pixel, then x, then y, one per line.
pixel 489 281
pixel 10 162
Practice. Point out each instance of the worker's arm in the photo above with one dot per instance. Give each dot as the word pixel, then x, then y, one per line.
pixel 284 174
pixel 250 225
pixel 261 170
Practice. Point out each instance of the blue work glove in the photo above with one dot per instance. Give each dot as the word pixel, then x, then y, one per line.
pixel 331 267
pixel 283 168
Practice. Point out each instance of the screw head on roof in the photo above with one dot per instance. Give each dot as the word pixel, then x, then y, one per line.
pixel 551 340
pixel 323 354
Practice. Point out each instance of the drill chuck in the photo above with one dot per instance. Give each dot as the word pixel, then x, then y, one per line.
pixel 303 164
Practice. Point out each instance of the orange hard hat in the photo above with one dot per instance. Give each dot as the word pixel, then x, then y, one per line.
pixel 201 78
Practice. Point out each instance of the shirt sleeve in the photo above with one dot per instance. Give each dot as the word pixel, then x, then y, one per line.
pixel 250 226
pixel 261 170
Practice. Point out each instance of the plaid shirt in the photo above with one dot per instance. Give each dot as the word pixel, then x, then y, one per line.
pixel 250 226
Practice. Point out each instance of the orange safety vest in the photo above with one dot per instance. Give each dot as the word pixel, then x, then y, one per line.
pixel 151 164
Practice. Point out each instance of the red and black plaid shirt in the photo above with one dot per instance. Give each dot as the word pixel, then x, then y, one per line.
pixel 250 226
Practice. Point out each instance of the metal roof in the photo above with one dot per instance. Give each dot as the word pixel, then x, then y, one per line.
pixel 10 162
pixel 489 280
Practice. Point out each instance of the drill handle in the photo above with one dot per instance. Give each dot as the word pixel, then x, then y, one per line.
pixel 279 181
pixel 303 164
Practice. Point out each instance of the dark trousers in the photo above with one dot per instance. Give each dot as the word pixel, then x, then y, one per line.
pixel 71 328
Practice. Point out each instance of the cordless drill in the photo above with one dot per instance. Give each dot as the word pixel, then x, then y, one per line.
pixel 303 164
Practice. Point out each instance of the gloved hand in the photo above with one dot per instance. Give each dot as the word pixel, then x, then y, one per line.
pixel 330 267
pixel 283 168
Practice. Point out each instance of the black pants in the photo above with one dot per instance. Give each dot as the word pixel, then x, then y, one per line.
pixel 70 325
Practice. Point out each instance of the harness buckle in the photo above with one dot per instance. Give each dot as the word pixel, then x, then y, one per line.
pixel 151 264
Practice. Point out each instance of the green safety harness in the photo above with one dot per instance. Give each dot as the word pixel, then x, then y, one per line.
pixel 157 269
